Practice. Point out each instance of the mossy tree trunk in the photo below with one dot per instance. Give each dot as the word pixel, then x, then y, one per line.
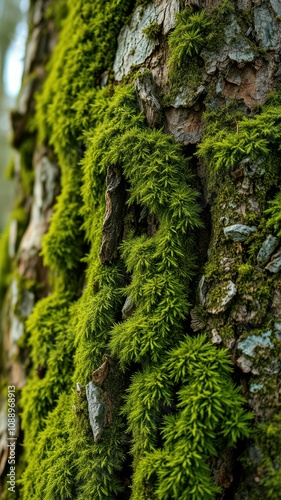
pixel 148 221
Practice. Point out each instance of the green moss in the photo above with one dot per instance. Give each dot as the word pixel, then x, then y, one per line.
pixel 267 437
pixel 223 147
pixel 161 268
pixel 245 271
pixel 274 212
pixel 226 118
pixel 194 32
pixel 188 76
pixel 185 44
pixel 91 131
pixel 253 137
pixel 206 400
pixel 52 457
pixel 152 31
pixel 63 244
pixel 64 114
pixel 47 327
pixel 66 108
pixel 227 332
pixel 151 162
pixel 188 38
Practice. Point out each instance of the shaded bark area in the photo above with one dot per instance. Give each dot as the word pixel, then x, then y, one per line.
pixel 112 228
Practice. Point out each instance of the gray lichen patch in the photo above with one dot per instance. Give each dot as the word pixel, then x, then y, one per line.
pixel 202 290
pixel 273 367
pixel 245 364
pixel 236 48
pixel 187 96
pixel 255 387
pixel 96 410
pixel 238 232
pixel 148 101
pixel 267 248
pixel 249 345
pixel 128 308
pixel 251 168
pixel 266 27
pixel 133 46
pixel 277 328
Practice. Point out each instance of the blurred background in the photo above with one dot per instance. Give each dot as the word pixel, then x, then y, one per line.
pixel 13 33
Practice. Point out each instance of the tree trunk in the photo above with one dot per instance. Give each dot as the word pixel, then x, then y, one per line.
pixel 142 326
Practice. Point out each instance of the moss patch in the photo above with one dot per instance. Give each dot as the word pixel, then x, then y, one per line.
pixel 173 432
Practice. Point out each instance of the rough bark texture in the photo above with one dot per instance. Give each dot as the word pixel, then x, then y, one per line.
pixel 235 293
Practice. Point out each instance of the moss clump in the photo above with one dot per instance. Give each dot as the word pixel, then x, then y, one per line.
pixel 47 328
pixel 206 402
pixel 185 44
pixel 62 104
pixel 153 31
pixel 194 32
pixel 252 137
pixel 161 267
pixel 93 131
pixel 152 164
pixel 188 38
pixel 274 212
pixel 267 437
pixel 226 118
pixel 163 264
pixel 51 458
pixel 65 110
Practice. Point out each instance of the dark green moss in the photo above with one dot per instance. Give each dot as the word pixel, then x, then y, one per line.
pixel 152 31
pixel 267 437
